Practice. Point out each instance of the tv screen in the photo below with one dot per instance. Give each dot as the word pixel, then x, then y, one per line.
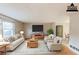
pixel 37 28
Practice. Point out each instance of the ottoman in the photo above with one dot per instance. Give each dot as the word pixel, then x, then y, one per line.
pixel 32 44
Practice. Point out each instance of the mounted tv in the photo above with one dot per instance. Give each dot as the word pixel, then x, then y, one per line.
pixel 37 28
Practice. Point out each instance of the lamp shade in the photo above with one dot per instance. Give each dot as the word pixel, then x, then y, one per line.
pixel 21 32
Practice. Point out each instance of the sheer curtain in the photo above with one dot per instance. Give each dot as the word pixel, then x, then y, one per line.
pixel 8 28
pixel 0 27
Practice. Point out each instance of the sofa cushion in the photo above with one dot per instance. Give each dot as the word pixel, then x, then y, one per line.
pixel 51 36
pixel 15 44
pixel 18 36
pixel 6 39
pixel 58 40
pixel 12 38
pixel 56 47
pixel 9 39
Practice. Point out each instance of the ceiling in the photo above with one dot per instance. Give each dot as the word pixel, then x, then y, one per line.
pixel 35 12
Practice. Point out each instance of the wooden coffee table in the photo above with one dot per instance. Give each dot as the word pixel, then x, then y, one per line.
pixel 32 44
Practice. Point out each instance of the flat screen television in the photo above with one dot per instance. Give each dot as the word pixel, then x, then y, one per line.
pixel 37 28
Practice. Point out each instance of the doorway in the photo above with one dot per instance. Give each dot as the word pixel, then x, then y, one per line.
pixel 59 30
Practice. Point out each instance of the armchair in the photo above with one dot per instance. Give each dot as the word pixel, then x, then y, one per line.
pixel 56 45
pixel 49 38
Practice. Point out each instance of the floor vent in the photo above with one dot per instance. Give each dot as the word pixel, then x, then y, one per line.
pixel 74 48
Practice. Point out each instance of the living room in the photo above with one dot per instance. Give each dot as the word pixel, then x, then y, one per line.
pixel 31 29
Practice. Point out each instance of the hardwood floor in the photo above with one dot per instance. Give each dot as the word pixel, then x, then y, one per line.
pixel 65 51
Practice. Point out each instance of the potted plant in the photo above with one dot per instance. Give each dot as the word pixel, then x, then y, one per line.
pixel 50 31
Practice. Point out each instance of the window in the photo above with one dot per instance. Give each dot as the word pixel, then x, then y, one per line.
pixel 8 28
pixel 0 27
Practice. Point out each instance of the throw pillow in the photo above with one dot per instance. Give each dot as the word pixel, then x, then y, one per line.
pixel 51 36
pixel 18 36
pixel 57 40
pixel 15 37
pixel 6 39
pixel 11 39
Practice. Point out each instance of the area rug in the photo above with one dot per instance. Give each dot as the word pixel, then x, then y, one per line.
pixel 24 50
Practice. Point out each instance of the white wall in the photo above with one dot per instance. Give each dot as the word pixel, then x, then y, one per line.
pixel 28 28
pixel 74 29
pixel 66 26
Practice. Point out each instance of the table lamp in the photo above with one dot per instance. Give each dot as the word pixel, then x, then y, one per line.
pixel 22 32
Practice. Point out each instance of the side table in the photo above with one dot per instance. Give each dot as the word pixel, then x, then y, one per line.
pixel 3 47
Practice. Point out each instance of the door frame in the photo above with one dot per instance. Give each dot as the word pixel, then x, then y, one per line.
pixel 57 29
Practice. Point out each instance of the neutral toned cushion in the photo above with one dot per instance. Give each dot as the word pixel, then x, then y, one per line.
pixel 12 38
pixel 57 39
pixel 14 44
pixel 9 39
pixel 6 39
pixel 56 47
pixel 17 36
pixel 51 36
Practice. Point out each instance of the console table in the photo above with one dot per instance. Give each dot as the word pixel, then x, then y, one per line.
pixel 38 36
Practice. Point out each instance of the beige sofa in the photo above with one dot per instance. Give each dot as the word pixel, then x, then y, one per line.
pixel 15 41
